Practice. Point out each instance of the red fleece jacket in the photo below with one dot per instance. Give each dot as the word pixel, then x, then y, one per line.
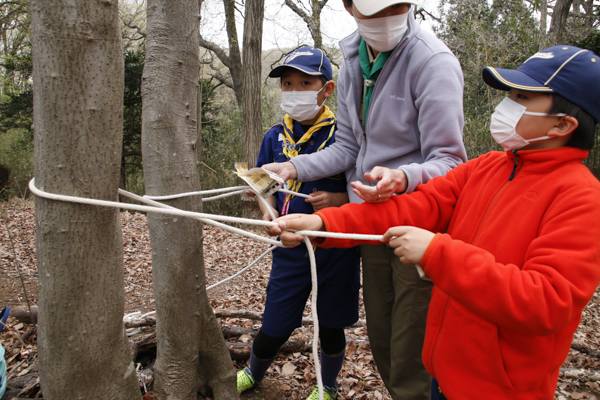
pixel 519 262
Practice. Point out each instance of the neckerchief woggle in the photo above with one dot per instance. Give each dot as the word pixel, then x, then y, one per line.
pixel 291 147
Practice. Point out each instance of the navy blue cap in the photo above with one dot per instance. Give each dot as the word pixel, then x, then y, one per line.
pixel 310 60
pixel 569 71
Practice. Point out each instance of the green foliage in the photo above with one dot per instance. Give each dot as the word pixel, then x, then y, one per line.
pixel 482 34
pixel 16 111
pixel 221 147
pixel 131 157
pixel 16 153
pixel 16 99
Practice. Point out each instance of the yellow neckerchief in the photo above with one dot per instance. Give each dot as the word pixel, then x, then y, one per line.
pixel 290 147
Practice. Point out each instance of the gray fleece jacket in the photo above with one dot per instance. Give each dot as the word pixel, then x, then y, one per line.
pixel 415 118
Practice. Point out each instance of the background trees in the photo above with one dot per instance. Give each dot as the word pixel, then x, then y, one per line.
pixel 16 99
pixel 505 34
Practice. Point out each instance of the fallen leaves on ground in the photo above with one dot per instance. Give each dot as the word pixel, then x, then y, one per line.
pixel 291 375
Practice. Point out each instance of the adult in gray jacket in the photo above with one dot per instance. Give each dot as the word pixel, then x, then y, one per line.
pixel 400 121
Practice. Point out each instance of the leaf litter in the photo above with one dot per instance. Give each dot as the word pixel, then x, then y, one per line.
pixel 291 375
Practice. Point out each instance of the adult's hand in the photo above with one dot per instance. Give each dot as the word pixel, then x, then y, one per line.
pixel 285 170
pixel 391 181
pixel 409 243
pixel 297 222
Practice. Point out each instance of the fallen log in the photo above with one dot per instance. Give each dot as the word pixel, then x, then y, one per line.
pixel 237 331
pixel 579 374
pixel 30 390
pixel 584 349
pixel 258 316
pixel 22 381
pixel 241 351
pixel 143 347
pixel 22 315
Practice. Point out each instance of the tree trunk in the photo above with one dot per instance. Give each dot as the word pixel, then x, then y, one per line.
pixel 559 20
pixel 313 20
pixel 543 24
pixel 78 114
pixel 235 59
pixel 252 107
pixel 191 354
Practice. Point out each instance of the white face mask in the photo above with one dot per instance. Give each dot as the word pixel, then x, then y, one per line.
pixel 301 105
pixel 504 121
pixel 383 34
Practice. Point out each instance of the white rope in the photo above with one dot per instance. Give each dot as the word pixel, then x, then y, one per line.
pixel 315 314
pixel 234 190
pixel 200 193
pixel 206 220
pixel 294 193
pixel 223 195
pixel 211 219
pixel 243 269
pixel 135 207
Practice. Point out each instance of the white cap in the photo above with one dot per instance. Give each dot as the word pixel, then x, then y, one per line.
pixel 370 7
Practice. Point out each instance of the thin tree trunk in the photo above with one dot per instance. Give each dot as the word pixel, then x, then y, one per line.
pixel 235 58
pixel 252 108
pixel 543 24
pixel 559 20
pixel 191 353
pixel 313 20
pixel 78 106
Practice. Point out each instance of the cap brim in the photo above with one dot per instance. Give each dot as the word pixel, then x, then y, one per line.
pixel 278 71
pixel 370 7
pixel 506 79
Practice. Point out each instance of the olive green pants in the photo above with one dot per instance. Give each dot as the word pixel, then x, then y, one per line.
pixel 396 302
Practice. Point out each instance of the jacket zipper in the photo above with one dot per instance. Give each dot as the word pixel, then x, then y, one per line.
pixel 516 164
pixel 487 212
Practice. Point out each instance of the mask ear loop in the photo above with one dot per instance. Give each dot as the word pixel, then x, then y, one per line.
pixel 539 114
pixel 325 99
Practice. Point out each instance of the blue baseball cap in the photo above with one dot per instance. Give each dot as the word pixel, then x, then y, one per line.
pixel 569 71
pixel 310 60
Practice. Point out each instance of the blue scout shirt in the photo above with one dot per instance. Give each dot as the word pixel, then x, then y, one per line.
pixel 272 150
pixel 338 270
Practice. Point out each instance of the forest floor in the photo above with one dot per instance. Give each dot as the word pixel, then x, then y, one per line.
pixel 292 375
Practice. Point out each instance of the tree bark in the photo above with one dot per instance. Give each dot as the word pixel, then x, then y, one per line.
pixel 313 21
pixel 559 20
pixel 252 106
pixel 191 354
pixel 235 58
pixel 543 24
pixel 78 117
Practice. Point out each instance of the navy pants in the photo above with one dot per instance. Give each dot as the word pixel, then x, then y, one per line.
pixel 436 392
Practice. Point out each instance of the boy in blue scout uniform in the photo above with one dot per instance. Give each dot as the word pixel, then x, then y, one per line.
pixel 308 127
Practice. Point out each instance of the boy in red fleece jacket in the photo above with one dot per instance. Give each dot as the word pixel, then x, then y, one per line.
pixel 510 239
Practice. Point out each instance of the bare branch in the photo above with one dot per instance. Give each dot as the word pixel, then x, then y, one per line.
pixel 218 51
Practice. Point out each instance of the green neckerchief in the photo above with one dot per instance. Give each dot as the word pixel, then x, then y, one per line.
pixel 370 72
